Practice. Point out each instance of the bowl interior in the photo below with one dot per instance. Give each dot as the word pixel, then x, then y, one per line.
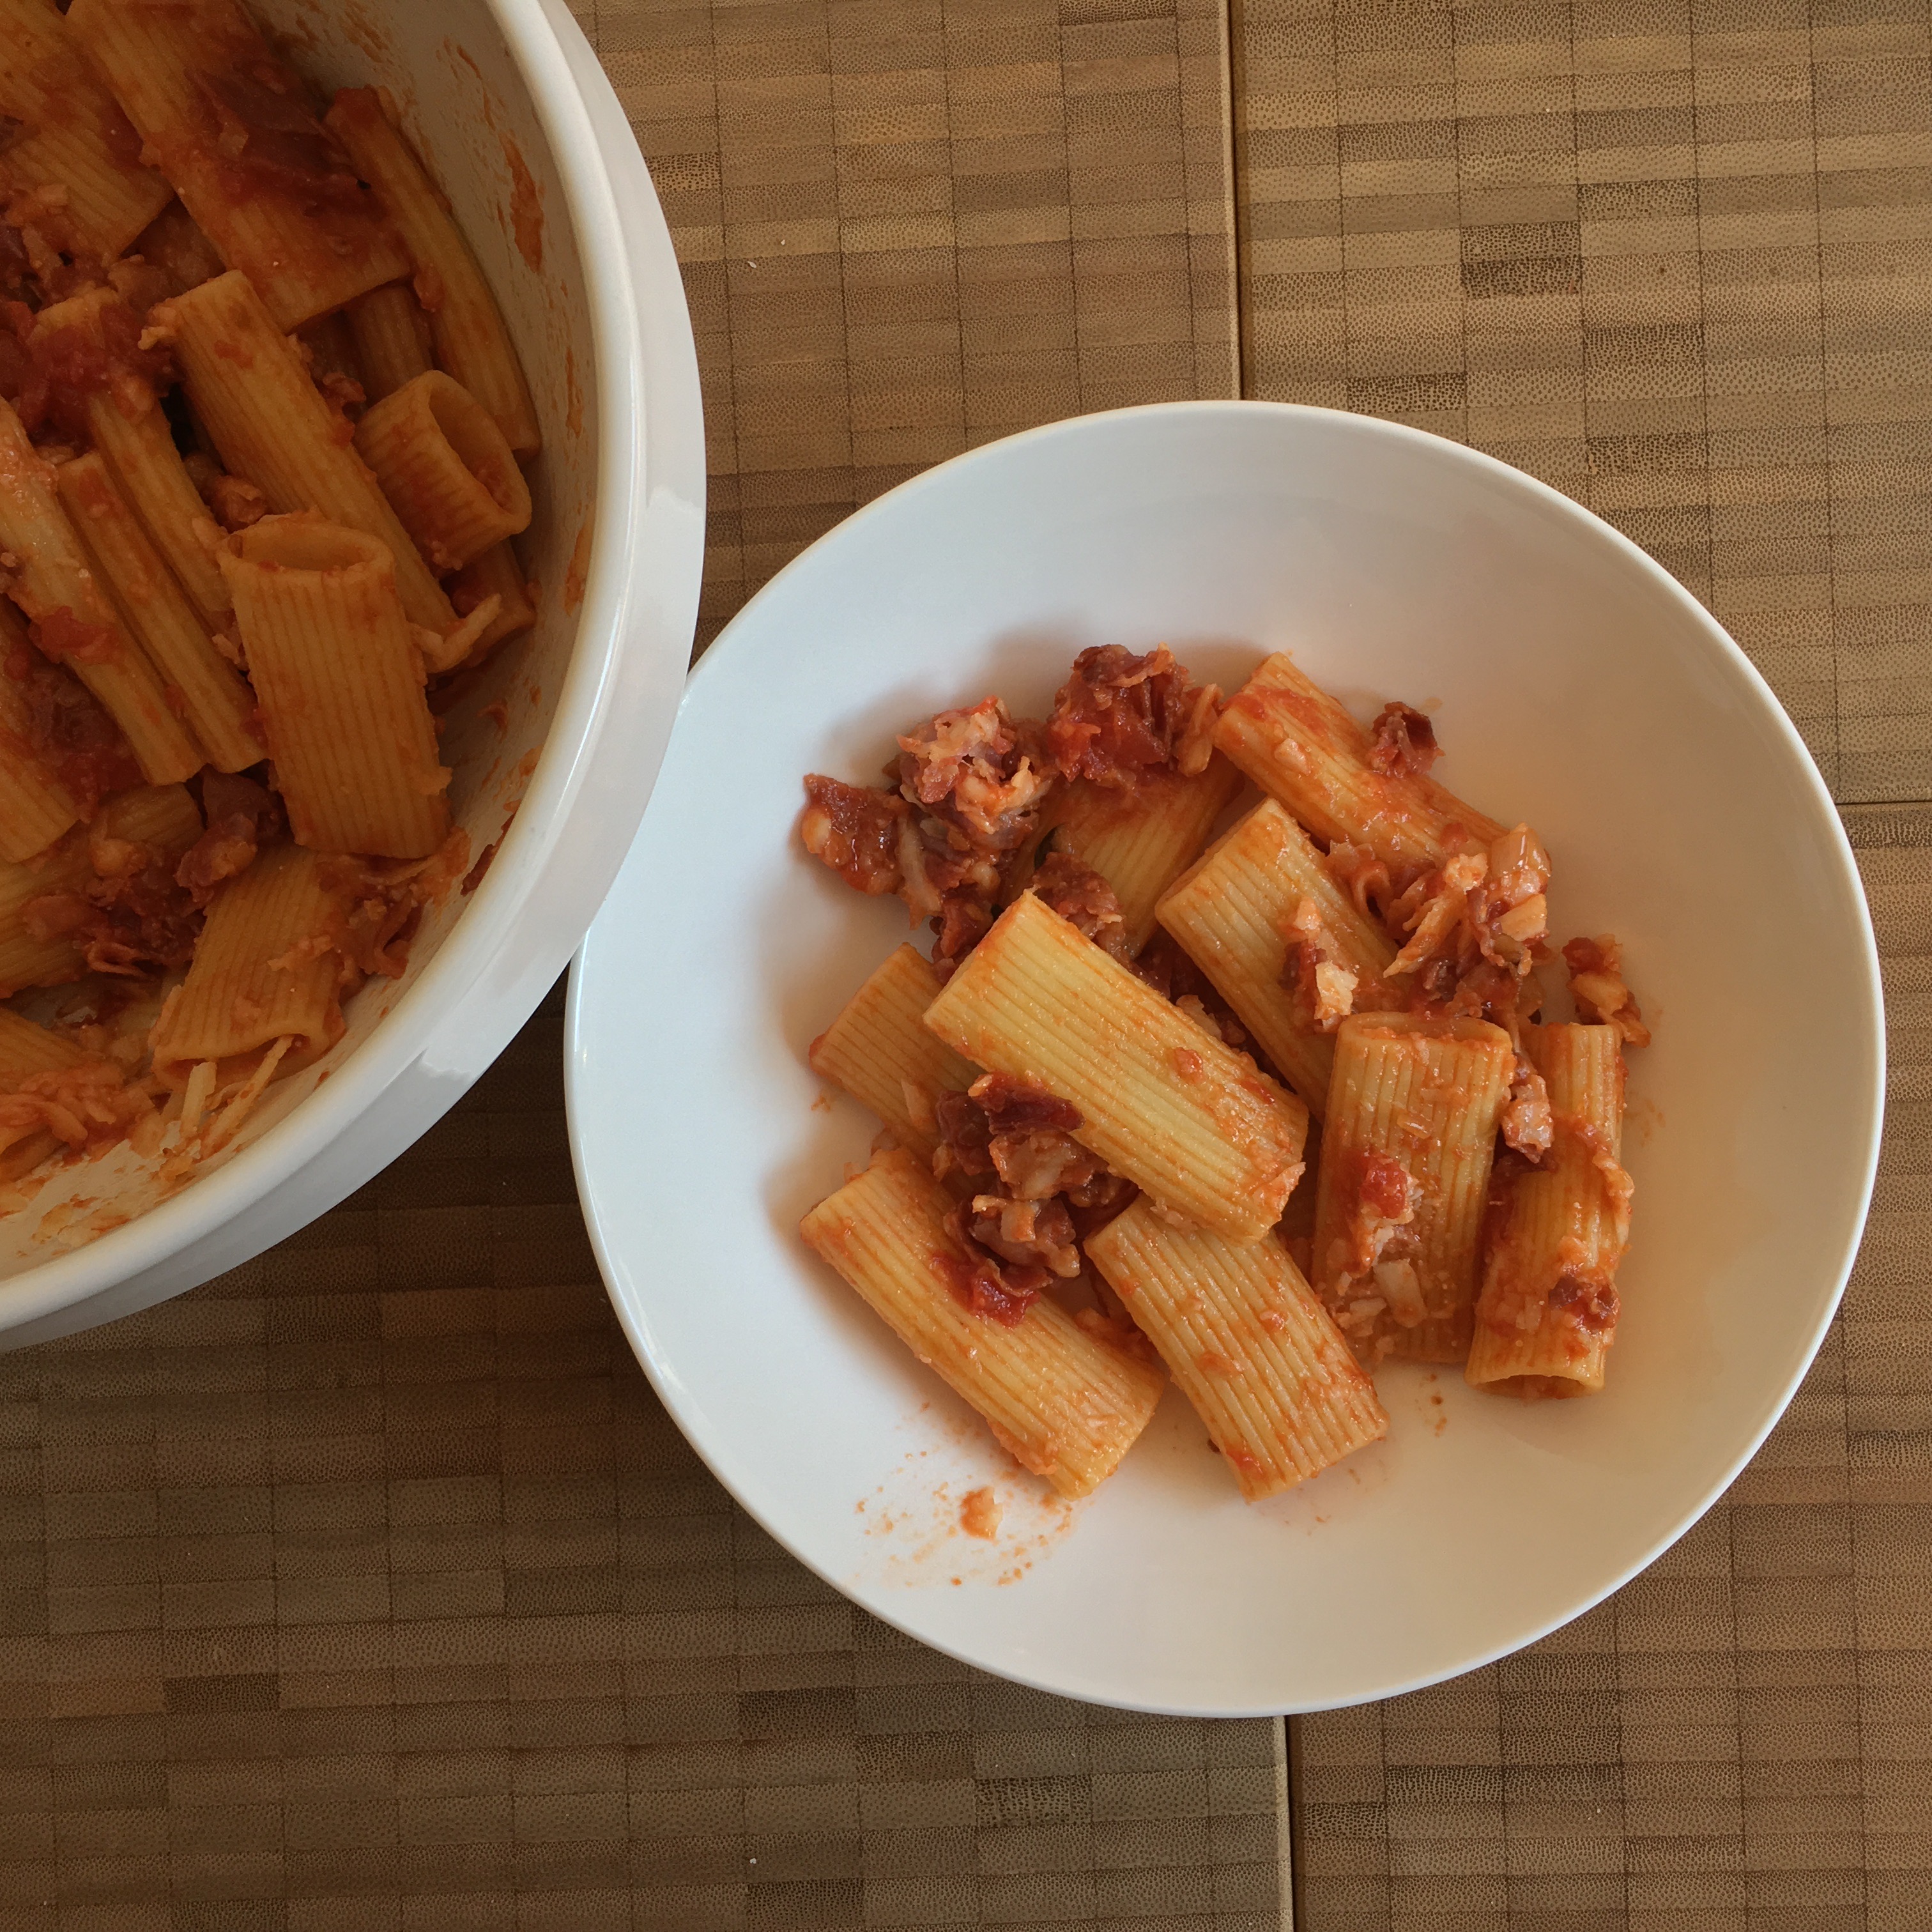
pixel 466 106
pixel 1574 685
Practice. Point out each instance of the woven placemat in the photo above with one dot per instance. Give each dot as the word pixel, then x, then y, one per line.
pixel 368 1586
pixel 1671 258
pixel 909 227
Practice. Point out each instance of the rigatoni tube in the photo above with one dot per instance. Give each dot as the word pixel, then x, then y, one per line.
pixel 217 704
pixel 69 135
pixel 1161 1101
pixel 35 806
pixel 1248 1342
pixel 446 468
pixel 1406 1149
pixel 1063 1404
pixel 1548 1310
pixel 75 622
pixel 1302 747
pixel 1141 840
pixel 392 338
pixel 496 574
pixel 249 389
pixel 265 969
pixel 36 951
pixel 1234 914
pixel 471 341
pixel 184 73
pixel 339 680
pixel 130 432
pixel 879 1051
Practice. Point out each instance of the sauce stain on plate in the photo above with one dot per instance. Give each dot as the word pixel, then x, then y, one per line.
pixel 954 1512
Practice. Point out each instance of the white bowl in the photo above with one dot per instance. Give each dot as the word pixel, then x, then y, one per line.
pixel 1579 687
pixel 600 320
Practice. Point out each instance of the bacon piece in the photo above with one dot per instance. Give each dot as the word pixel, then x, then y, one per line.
pixel 237 504
pixel 1017 1105
pixel 1527 1124
pixel 1325 984
pixel 269 139
pixel 1118 716
pixel 1072 889
pixel 1041 1162
pixel 1023 1233
pixel 72 732
pixel 1597 986
pixel 854 831
pixel 1594 1304
pixel 1402 741
pixel 1013 1127
pixel 979 1285
pixel 241 817
pixel 974 768
pixel 1381 1197
pixel 67 366
pixel 965 1136
pixel 961 923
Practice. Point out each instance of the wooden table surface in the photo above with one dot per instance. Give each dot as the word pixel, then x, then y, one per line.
pixel 368 1587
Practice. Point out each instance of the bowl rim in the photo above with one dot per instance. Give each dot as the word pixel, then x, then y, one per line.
pixel 1725 651
pixel 615 396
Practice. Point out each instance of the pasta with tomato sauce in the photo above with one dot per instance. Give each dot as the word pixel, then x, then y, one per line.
pixel 262 439
pixel 1267 1109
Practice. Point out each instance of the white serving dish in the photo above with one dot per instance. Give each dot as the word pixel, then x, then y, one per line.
pixel 1574 684
pixel 599 318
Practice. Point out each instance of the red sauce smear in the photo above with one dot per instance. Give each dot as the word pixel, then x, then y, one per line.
pixel 50 374
pixel 526 207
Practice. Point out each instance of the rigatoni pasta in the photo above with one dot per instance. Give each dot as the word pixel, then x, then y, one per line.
pixel 1140 840
pixel 1076 1103
pixel 70 141
pixel 58 910
pixel 215 701
pixel 1413 1106
pixel 265 978
pixel 471 341
pixel 1248 1342
pixel 272 426
pixel 212 299
pixel 1284 944
pixel 340 683
pixel 74 622
pixel 879 1050
pixel 392 338
pixel 1344 782
pixel 231 127
pixel 1547 1313
pixel 445 466
pixel 496 574
pixel 1162 1102
pixel 36 807
pixel 1063 1404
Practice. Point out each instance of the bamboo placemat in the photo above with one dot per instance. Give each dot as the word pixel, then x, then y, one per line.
pixel 369 1586
pixel 908 227
pixel 1673 258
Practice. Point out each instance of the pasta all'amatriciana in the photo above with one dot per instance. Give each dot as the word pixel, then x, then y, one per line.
pixel 263 433
pixel 1254 1084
